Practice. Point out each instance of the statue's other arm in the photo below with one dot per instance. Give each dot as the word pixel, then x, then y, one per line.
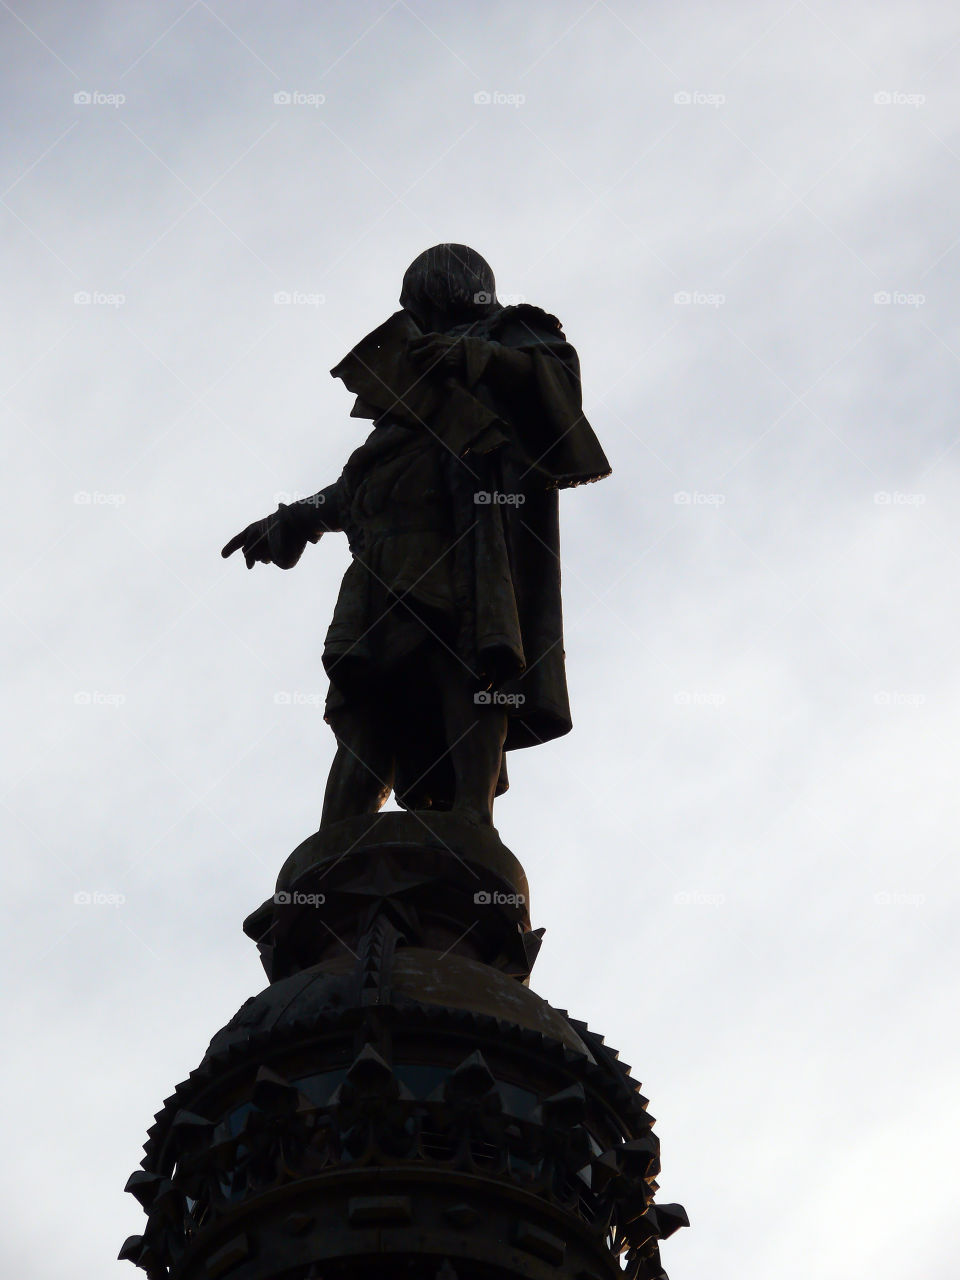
pixel 505 370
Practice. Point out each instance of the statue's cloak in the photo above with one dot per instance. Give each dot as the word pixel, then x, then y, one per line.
pixel 476 554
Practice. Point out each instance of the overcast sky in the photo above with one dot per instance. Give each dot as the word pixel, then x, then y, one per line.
pixel 746 216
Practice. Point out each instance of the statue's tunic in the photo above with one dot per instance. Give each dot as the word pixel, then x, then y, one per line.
pixel 450 507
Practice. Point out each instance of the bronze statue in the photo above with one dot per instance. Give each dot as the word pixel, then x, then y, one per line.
pixel 446 645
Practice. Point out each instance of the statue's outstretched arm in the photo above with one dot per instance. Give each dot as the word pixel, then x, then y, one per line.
pixel 280 538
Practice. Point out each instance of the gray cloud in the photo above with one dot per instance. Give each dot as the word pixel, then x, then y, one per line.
pixel 742 852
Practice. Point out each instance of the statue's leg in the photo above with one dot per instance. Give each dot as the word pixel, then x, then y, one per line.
pixel 361 776
pixel 475 735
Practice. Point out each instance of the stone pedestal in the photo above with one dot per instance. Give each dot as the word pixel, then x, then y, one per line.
pixel 398 1102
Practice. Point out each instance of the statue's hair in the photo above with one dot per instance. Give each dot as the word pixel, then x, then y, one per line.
pixel 451 280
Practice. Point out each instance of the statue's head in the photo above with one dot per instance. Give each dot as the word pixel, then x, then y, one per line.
pixel 448 285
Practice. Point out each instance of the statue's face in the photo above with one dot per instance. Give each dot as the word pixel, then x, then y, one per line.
pixel 431 319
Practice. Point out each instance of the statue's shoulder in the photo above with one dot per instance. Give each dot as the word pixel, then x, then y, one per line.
pixel 524 323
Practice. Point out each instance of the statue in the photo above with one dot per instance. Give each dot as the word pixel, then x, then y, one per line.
pixel 446 645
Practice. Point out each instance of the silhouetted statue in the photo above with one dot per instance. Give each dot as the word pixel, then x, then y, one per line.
pixel 446 645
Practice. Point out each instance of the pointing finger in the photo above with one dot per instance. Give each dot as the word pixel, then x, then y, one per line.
pixel 233 545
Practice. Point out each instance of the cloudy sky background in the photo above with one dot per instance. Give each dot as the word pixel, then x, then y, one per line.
pixel 744 853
